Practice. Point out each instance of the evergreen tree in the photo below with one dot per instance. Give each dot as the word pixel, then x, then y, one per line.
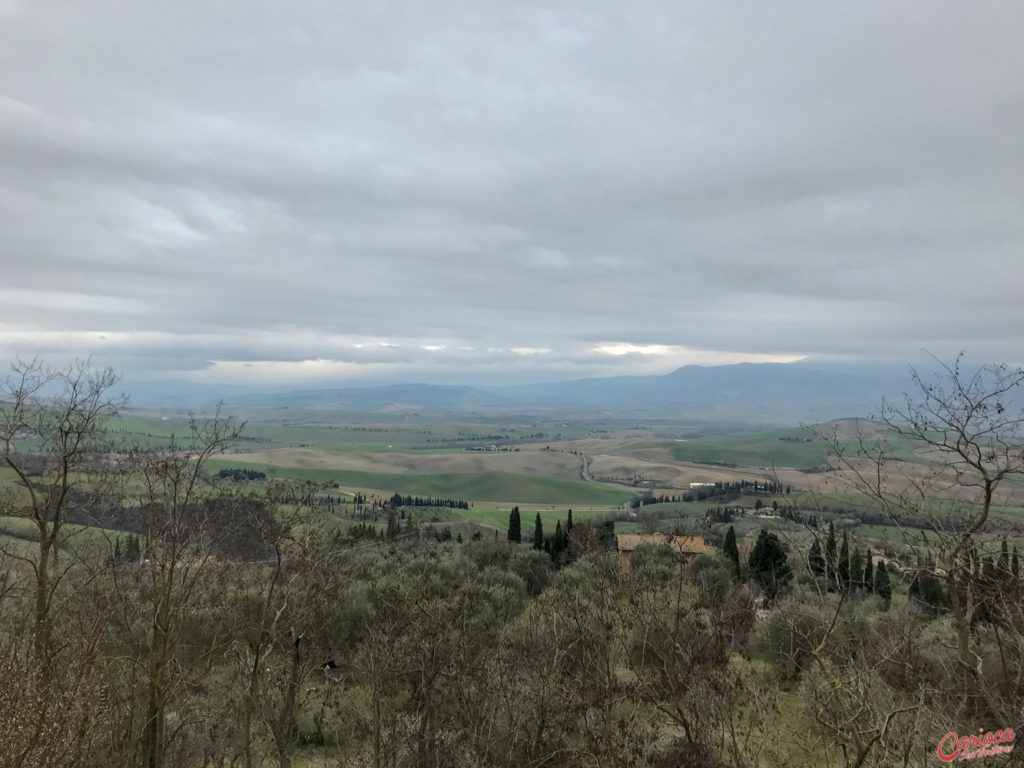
pixel 567 538
pixel 538 533
pixel 843 565
pixel 856 569
pixel 133 552
pixel 1005 569
pixel 830 556
pixel 393 527
pixel 731 550
pixel 882 586
pixel 926 589
pixel 914 590
pixel 869 576
pixel 768 564
pixel 815 561
pixel 514 526
pixel 557 542
pixel 1015 564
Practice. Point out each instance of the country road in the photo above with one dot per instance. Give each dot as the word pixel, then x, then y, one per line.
pixel 585 474
pixel 585 468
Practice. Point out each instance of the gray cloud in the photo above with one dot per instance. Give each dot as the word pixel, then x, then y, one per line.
pixel 190 187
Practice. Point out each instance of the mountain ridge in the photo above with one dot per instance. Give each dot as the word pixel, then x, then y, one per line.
pixel 840 390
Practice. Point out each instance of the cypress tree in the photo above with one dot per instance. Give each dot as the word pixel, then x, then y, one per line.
pixel 882 586
pixel 568 525
pixel 731 550
pixel 815 560
pixel 1015 564
pixel 927 591
pixel 843 566
pixel 133 552
pixel 538 533
pixel 1005 572
pixel 856 569
pixel 914 590
pixel 830 556
pixel 514 533
pixel 768 564
pixel 869 576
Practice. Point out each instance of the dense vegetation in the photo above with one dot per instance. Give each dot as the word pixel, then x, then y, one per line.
pixel 226 631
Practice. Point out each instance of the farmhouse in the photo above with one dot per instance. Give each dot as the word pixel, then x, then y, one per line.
pixel 685 547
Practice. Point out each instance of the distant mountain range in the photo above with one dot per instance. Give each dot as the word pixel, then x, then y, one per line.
pixel 765 392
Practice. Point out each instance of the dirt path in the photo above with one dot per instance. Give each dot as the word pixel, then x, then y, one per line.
pixel 585 468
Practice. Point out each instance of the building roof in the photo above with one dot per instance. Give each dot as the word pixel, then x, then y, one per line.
pixel 683 545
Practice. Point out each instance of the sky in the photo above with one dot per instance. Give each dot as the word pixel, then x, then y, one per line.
pixel 477 191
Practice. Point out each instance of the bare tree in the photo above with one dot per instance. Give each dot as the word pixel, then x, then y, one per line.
pixel 51 437
pixel 177 548
pixel 969 428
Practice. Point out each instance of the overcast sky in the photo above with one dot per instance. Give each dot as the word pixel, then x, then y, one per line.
pixel 505 191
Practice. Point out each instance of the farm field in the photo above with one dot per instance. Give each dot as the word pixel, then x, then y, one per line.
pixel 799 448
pixel 621 462
pixel 537 465
pixel 471 486
pixel 533 462
pixel 336 431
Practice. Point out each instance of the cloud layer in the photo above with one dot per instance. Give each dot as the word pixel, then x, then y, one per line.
pixel 507 190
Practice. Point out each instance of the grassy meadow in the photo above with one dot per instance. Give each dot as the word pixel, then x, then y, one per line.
pixel 470 486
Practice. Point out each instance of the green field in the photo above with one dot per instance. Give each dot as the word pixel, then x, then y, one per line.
pixel 799 448
pixel 759 449
pixel 687 508
pixel 628 526
pixel 20 535
pixel 471 486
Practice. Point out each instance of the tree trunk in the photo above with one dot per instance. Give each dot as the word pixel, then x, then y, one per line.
pixel 41 641
pixel 283 727
pixel 153 735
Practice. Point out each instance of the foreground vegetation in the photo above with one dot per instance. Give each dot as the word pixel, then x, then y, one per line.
pixel 222 623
